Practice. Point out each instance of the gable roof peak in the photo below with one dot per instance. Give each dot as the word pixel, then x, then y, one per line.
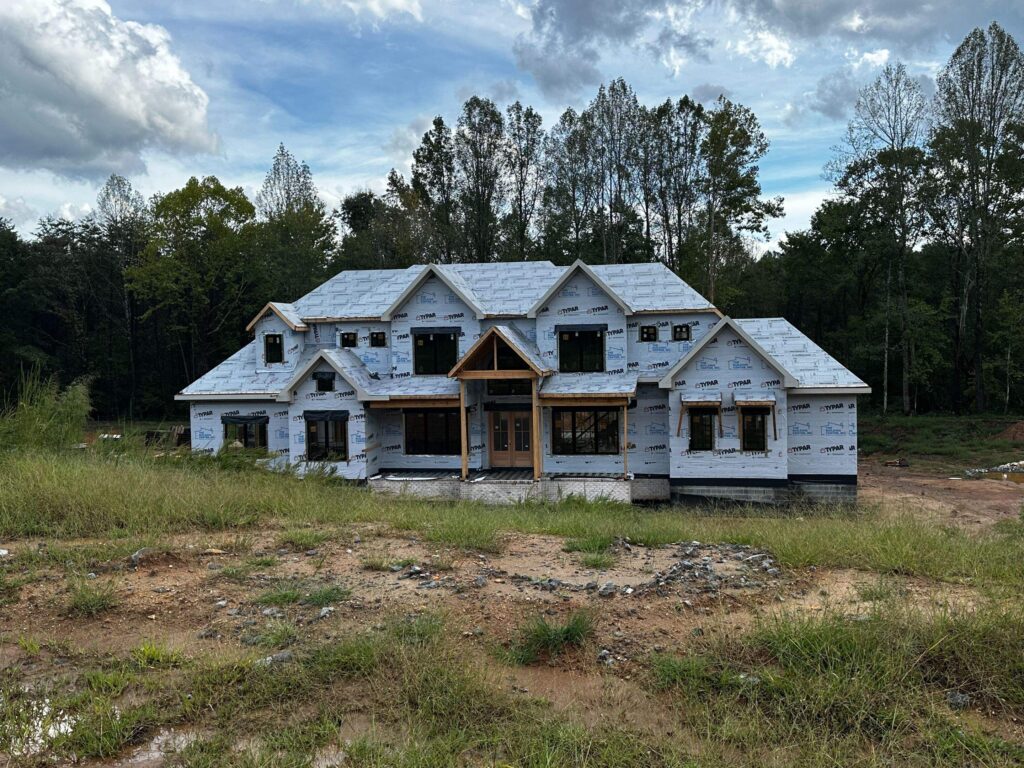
pixel 579 266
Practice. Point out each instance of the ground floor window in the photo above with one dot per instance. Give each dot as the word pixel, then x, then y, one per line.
pixel 245 432
pixel 702 429
pixel 589 431
pixel 326 435
pixel 754 425
pixel 433 432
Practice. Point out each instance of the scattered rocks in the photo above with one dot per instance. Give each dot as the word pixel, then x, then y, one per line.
pixel 221 604
pixel 607 590
pixel 273 613
pixel 605 657
pixel 139 556
pixel 958 700
pixel 214 566
pixel 278 658
pixel 325 612
pixel 5 552
pixel 480 581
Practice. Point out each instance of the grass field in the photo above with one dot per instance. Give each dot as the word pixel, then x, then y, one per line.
pixel 331 659
pixel 939 443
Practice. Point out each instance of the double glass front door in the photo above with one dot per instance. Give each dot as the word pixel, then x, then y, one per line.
pixel 511 440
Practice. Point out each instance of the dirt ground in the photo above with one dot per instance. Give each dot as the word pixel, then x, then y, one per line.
pixel 971 504
pixel 200 594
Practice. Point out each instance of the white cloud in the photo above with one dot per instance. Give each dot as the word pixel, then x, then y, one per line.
pixel 17 211
pixel 84 92
pixel 876 58
pixel 380 9
pixel 768 47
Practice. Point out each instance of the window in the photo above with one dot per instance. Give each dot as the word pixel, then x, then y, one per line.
pixel 273 348
pixel 433 432
pixel 435 352
pixel 580 351
pixel 702 429
pixel 245 431
pixel 326 435
pixel 585 432
pixel 754 425
pixel 349 339
pixel 680 333
pixel 378 339
pixel 324 381
pixel 648 333
pixel 502 387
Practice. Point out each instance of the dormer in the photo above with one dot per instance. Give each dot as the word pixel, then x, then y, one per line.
pixel 280 337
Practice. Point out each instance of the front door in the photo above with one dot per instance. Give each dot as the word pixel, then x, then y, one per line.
pixel 511 439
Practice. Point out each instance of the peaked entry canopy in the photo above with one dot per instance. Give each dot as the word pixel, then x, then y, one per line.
pixel 501 349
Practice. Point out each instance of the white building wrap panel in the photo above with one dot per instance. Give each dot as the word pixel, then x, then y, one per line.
pixel 433 305
pixel 581 302
pixel 653 358
pixel 208 431
pixel 726 365
pixel 343 398
pixel 822 434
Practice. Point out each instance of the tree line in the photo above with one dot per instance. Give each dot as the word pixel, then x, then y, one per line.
pixel 911 273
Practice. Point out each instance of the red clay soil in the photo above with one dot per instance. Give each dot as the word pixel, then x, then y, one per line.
pixel 1013 432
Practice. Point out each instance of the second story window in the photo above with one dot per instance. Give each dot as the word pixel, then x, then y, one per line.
pixel 378 339
pixel 273 348
pixel 648 333
pixel 434 352
pixel 680 333
pixel 580 350
pixel 324 381
pixel 349 340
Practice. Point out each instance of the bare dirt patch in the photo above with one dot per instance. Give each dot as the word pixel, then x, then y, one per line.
pixel 969 504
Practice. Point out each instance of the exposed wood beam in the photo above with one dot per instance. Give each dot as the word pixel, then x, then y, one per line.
pixel 415 403
pixel 464 433
pixel 625 442
pixel 468 374
pixel 536 431
pixel 575 402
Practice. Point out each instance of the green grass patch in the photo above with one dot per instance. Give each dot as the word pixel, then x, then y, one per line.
pixel 91 597
pixel 324 596
pixel 283 594
pixel 597 560
pixel 939 443
pixel 541 639
pixel 839 686
pixel 302 539
pixel 152 654
pixel 88 495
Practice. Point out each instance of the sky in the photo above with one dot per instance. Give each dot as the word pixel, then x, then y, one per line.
pixel 161 91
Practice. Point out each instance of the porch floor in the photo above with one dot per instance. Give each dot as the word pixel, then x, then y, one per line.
pixel 498 475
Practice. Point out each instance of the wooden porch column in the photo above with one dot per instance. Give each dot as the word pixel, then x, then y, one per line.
pixel 536 431
pixel 464 426
pixel 625 440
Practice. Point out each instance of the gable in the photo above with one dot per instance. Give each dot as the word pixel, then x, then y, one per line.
pixel 727 362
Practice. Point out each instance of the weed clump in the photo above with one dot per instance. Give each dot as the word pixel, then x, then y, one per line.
pixel 543 639
pixel 88 598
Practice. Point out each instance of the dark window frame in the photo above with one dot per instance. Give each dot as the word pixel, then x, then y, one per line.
pixel 432 432
pixel 267 347
pixel 324 380
pixel 378 338
pixel 334 447
pixel 437 355
pixel 648 331
pixel 349 339
pixel 753 435
pixel 702 428
pixel 581 422
pixel 681 332
pixel 252 435
pixel 578 358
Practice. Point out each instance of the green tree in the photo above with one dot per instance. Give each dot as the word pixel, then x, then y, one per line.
pixel 478 162
pixel 295 233
pixel 197 275
pixel 433 179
